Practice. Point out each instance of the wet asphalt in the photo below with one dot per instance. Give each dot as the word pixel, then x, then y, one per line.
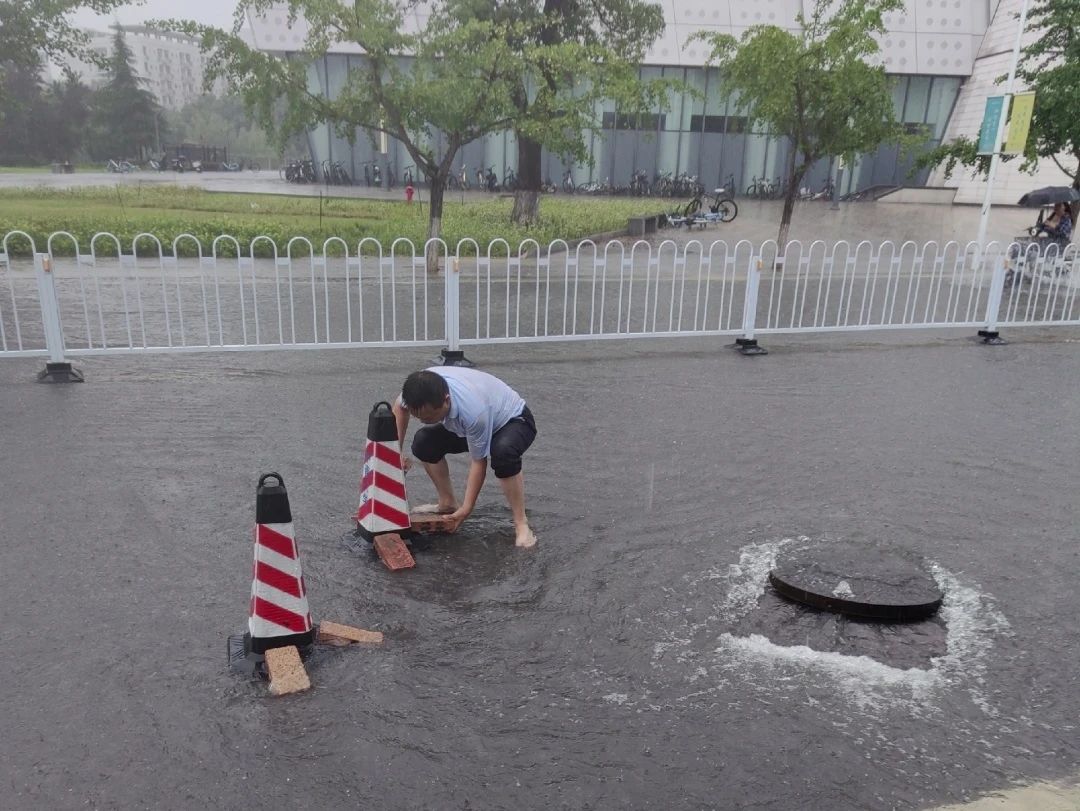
pixel 635 659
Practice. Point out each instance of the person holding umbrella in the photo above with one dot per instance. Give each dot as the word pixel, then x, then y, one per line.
pixel 1058 226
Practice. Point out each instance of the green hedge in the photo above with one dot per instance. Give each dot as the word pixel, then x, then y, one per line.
pixel 169 211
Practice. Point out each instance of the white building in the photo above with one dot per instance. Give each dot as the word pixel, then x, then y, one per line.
pixel 171 64
pixel 944 54
pixel 992 62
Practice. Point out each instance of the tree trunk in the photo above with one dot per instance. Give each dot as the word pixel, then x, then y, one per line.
pixel 527 197
pixel 794 178
pixel 435 212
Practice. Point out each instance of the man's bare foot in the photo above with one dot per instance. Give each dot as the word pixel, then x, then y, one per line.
pixel 436 509
pixel 526 539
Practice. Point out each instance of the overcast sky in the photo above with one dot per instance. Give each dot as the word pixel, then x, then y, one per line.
pixel 215 12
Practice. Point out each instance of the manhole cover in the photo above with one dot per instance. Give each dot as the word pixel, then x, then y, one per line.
pixel 876 583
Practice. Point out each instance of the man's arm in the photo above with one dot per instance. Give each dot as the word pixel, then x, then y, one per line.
pixel 401 417
pixel 475 481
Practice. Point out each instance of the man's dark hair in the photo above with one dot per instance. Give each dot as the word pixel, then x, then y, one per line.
pixel 424 389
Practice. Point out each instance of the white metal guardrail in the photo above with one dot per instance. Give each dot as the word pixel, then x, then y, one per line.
pixel 106 297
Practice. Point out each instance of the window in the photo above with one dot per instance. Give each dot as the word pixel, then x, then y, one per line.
pixel 733 124
pixel 649 122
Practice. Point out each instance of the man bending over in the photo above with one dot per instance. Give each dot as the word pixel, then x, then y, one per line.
pixel 469 410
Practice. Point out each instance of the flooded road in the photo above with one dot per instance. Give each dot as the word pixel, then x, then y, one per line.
pixel 636 659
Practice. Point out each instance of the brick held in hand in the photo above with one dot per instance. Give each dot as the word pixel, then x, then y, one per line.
pixel 430 523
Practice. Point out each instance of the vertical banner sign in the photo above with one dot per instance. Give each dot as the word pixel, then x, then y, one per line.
pixel 991 122
pixel 1023 104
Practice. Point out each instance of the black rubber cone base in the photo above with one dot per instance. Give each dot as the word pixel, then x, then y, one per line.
pixel 991 337
pixel 246 661
pixel 60 373
pixel 749 346
pixel 454 357
pixel 860 581
pixel 242 659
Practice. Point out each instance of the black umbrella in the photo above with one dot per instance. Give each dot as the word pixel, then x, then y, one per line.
pixel 1048 195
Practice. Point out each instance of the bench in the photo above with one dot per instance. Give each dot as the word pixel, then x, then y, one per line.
pixel 640 226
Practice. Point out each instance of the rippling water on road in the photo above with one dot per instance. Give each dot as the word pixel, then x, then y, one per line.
pixel 636 659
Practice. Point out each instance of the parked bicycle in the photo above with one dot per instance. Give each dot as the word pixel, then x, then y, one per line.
pixel 568 182
pixel 720 206
pixel 299 171
pixel 487 180
pixel 334 173
pixel 824 193
pixel 639 184
pixel 510 181
pixel 120 166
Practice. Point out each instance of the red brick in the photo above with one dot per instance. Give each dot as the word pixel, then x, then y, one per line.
pixel 333 633
pixel 393 552
pixel 287 674
pixel 430 523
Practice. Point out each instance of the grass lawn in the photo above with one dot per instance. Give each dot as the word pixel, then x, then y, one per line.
pixel 27 170
pixel 166 212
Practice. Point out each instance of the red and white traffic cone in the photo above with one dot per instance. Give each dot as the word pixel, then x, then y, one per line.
pixel 278 616
pixel 383 515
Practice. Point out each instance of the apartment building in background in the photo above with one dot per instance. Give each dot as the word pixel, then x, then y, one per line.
pixel 170 64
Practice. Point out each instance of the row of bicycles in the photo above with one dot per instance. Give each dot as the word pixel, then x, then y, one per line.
pixel 179 163
pixel 762 188
pixel 663 184
pixel 303 170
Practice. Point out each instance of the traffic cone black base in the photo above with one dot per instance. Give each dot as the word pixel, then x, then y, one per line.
pixel 245 660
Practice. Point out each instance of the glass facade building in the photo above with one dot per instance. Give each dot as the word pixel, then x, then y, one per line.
pixel 929 47
pixel 702 135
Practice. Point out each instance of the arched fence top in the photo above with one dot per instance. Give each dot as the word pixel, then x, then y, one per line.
pixel 106 237
pixel 63 235
pixel 229 240
pixel 21 234
pixel 146 237
pixel 260 239
pixel 301 241
pixel 181 239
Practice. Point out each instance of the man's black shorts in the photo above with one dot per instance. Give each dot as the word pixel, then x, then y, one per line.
pixel 432 442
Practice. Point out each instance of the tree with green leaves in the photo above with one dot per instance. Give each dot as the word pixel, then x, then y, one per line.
pixel 459 75
pixel 31 30
pixel 815 85
pixel 21 89
pixel 221 121
pixel 127 119
pixel 41 124
pixel 556 101
pixel 1047 66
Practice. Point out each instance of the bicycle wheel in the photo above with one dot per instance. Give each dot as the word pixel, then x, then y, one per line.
pixel 692 208
pixel 727 209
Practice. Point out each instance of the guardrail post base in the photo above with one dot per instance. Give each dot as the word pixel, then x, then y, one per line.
pixel 454 357
pixel 60 373
pixel 749 346
pixel 991 337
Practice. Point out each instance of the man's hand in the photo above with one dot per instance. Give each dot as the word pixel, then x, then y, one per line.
pixel 455 520
pixel 406 464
